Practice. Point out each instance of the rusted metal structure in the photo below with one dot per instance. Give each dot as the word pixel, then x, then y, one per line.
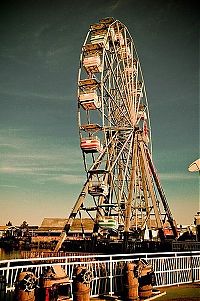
pixel 25 287
pixel 81 284
pixel 130 289
pixel 122 193
pixel 54 284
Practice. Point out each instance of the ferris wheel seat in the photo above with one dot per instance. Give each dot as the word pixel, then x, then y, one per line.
pixel 98 26
pixel 108 224
pixel 91 104
pixel 107 20
pixel 90 101
pixel 142 115
pixel 92 63
pixel 91 145
pixel 97 188
pixel 90 49
pixel 100 38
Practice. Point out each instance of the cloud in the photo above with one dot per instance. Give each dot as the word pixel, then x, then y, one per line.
pixel 115 5
pixel 9 186
pixel 44 175
pixel 35 95
pixel 176 176
pixel 8 147
pixel 69 179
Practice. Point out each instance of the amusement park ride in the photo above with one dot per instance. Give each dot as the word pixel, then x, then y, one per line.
pixel 122 193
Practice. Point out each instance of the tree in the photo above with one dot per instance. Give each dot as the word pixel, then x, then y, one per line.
pixel 24 228
pixel 9 224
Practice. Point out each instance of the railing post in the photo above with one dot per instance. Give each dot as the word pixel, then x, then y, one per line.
pixel 191 266
pixel 111 276
pixel 7 274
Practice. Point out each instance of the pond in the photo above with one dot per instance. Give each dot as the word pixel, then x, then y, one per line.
pixel 9 254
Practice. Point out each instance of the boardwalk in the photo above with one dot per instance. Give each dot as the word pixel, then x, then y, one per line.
pixel 107 271
pixel 185 292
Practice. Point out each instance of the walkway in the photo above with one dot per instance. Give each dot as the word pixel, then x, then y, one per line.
pixel 185 292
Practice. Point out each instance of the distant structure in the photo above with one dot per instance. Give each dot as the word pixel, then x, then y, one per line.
pixel 194 166
pixel 197 223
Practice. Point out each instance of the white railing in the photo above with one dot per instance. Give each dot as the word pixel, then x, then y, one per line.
pixel 107 270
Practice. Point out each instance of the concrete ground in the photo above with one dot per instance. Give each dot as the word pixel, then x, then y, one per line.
pixel 185 292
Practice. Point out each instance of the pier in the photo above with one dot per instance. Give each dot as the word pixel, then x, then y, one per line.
pixel 170 269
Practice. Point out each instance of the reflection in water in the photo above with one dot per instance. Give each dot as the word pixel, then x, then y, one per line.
pixel 9 254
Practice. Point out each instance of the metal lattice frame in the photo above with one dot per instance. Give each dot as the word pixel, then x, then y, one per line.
pixel 118 117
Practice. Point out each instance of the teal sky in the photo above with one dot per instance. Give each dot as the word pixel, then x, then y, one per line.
pixel 41 168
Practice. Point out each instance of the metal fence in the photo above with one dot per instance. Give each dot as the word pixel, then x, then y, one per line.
pixel 107 270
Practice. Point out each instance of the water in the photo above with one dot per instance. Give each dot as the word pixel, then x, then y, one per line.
pixel 9 254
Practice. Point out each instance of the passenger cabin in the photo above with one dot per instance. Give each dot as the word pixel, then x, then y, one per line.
pixel 91 144
pixel 88 97
pixel 108 224
pixel 91 127
pixel 107 21
pixel 142 115
pixel 89 100
pixel 92 63
pixel 97 188
pixel 97 183
pixel 99 35
pixel 92 58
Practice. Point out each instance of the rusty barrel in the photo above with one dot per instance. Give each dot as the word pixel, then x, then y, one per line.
pixel 130 282
pixel 145 282
pixel 145 291
pixel 25 287
pixel 81 284
pixel 51 282
pixel 81 292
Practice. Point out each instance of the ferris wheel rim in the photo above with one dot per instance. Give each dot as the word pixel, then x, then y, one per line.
pixel 104 50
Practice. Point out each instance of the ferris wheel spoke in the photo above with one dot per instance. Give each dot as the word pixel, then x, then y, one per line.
pixel 116 107
pixel 120 78
pixel 123 74
pixel 117 78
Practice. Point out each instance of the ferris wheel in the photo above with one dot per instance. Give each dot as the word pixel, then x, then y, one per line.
pixel 122 191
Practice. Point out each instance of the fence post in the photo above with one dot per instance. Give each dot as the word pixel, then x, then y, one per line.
pixel 191 266
pixel 7 274
pixel 111 276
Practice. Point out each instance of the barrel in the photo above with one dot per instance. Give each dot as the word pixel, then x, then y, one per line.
pixel 81 284
pixel 25 287
pixel 145 282
pixel 24 296
pixel 130 283
pixel 131 291
pixel 81 292
pixel 54 284
pixel 145 291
